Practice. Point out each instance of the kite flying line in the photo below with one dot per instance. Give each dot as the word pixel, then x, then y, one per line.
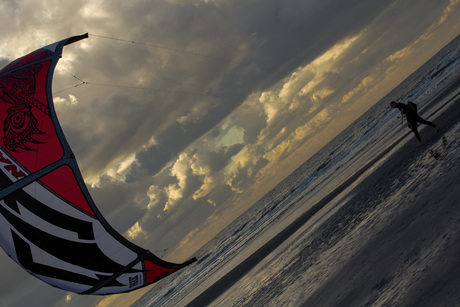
pixel 82 82
pixel 189 52
pixel 164 48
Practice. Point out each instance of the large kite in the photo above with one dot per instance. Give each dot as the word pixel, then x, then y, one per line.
pixel 48 222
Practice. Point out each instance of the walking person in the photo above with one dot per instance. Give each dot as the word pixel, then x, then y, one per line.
pixel 410 112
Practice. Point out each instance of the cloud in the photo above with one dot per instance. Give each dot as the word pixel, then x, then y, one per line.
pixel 135 231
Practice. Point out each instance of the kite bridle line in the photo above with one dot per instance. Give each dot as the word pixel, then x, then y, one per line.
pixel 143 88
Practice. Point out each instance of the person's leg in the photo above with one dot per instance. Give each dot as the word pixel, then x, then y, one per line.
pixel 425 122
pixel 413 125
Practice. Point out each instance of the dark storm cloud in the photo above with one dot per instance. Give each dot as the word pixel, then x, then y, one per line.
pixel 278 41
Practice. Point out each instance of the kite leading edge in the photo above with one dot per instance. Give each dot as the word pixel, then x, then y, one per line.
pixel 49 223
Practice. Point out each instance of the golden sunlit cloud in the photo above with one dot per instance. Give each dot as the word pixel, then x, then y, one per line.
pixel 365 84
pixel 135 231
pixel 401 54
pixel 196 114
pixel 153 194
pixel 448 11
pixel 292 92
pixel 320 94
pixel 182 170
pixel 115 173
pixel 272 104
pixel 304 82
pixel 208 185
pixel 151 142
pixel 174 193
pixel 308 129
pixel 70 101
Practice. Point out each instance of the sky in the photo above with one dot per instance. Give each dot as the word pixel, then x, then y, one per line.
pixel 183 113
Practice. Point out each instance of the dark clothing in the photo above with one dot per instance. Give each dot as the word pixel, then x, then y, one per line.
pixel 405 109
pixel 412 119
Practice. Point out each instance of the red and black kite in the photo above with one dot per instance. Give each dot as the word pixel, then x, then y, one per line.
pixel 48 222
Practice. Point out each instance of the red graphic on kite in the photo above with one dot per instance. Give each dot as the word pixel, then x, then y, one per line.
pixel 20 125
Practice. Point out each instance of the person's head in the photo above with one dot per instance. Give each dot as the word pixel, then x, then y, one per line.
pixel 393 104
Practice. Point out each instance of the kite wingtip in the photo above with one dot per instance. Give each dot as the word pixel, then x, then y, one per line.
pixel 74 39
pixel 190 261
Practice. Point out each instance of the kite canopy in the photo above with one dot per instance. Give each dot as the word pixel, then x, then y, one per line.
pixel 48 222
